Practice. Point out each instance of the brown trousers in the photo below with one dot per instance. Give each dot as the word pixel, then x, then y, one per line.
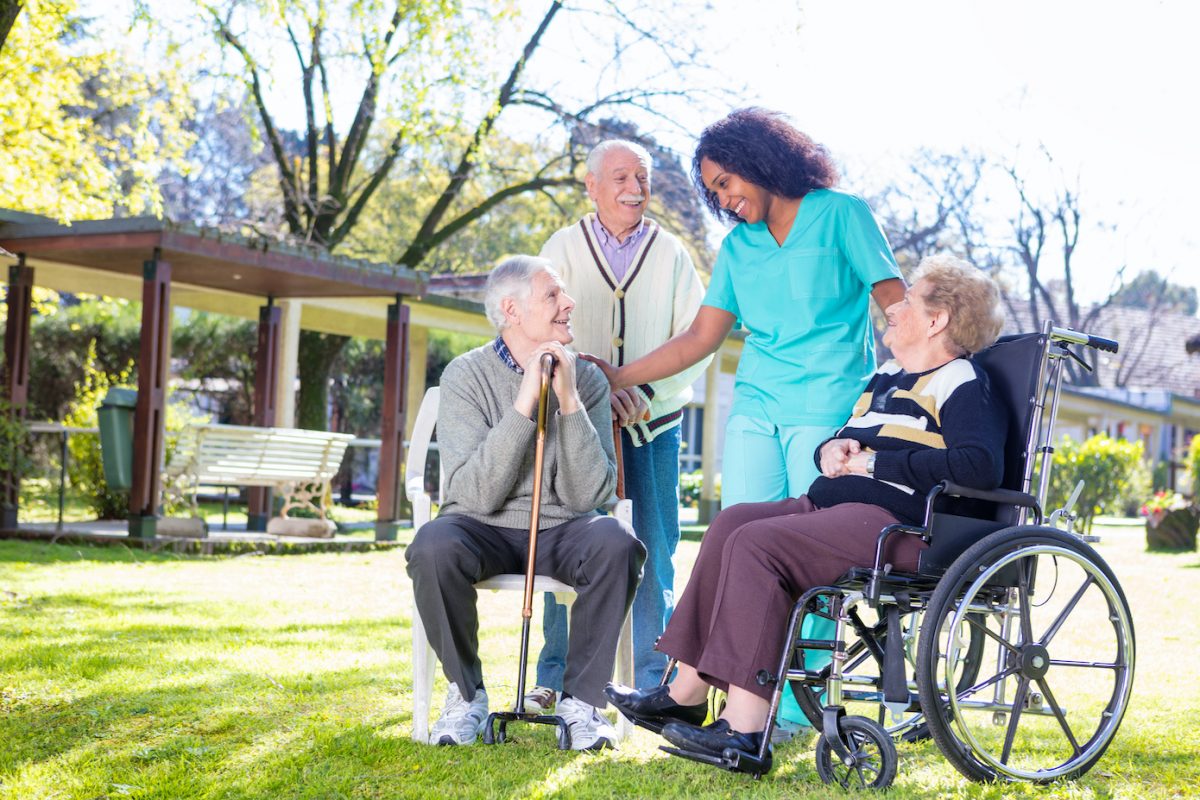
pixel 755 561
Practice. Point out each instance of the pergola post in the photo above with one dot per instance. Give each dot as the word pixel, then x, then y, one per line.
pixel 148 416
pixel 710 504
pixel 266 375
pixel 16 380
pixel 391 450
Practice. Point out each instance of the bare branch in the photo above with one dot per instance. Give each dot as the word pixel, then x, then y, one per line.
pixel 426 237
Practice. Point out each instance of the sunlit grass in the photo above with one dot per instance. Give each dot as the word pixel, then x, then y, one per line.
pixel 130 674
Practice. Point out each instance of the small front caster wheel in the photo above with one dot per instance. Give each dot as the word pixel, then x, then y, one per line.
pixel 872 760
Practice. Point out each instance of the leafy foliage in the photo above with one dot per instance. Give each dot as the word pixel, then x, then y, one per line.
pixel 1193 468
pixel 85 134
pixel 64 336
pixel 1109 469
pixel 1153 291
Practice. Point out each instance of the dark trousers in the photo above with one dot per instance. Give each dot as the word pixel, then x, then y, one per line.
pixel 599 556
pixel 755 561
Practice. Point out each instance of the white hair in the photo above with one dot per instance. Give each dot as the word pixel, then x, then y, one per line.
pixel 512 277
pixel 595 159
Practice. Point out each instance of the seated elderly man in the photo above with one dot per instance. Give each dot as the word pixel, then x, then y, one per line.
pixel 926 416
pixel 486 430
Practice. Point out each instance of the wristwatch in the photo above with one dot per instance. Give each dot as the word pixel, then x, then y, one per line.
pixel 871 465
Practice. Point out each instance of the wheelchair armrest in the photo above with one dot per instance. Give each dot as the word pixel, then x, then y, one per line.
pixel 1001 496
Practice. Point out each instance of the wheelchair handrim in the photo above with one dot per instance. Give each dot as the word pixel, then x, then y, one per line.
pixel 1122 668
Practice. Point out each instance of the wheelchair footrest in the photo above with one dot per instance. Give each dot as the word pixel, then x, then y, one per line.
pixel 732 760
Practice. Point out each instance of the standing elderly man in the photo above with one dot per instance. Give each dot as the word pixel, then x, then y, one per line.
pixel 637 288
pixel 486 432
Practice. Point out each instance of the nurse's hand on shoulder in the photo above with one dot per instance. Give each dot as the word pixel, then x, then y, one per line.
pixel 608 369
pixel 835 456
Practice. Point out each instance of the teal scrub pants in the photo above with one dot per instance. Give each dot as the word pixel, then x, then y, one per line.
pixel 764 462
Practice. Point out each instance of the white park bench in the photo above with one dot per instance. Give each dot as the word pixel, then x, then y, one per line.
pixel 297 464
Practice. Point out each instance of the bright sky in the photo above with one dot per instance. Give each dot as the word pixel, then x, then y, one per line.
pixel 1108 87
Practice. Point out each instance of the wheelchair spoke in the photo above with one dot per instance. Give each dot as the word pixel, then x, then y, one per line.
pixel 1044 685
pixel 1014 718
pixel 1062 662
pixel 1062 617
pixel 982 626
pixel 979 687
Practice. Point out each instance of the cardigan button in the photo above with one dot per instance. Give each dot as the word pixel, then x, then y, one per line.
pixel 620 294
pixel 617 342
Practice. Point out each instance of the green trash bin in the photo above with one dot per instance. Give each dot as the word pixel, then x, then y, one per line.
pixel 115 416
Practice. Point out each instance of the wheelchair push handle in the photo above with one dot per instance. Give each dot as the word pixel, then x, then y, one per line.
pixel 1086 339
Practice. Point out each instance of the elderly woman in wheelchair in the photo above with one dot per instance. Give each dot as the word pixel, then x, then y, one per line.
pixel 929 429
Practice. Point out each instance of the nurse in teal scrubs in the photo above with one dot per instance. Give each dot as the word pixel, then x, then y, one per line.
pixel 797 271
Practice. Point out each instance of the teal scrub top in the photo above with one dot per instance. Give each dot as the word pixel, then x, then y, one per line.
pixel 805 305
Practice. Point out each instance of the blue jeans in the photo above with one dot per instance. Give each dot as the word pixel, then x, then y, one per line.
pixel 652 483
pixel 764 462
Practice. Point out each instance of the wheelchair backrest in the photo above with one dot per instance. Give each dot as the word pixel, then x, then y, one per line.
pixel 1014 369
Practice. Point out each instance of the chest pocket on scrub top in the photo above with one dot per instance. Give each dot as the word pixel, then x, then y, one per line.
pixel 815 272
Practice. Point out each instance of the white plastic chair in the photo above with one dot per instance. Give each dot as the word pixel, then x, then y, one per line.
pixel 423 658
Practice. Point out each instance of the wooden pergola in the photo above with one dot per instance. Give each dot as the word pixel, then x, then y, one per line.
pixel 165 264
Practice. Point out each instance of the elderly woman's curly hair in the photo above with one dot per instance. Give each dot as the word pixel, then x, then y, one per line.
pixel 971 298
pixel 762 147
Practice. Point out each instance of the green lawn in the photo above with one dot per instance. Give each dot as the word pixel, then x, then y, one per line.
pixel 125 674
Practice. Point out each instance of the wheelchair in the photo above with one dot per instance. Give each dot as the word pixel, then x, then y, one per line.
pixel 1012 645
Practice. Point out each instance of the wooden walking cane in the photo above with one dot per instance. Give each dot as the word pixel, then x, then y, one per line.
pixel 492 734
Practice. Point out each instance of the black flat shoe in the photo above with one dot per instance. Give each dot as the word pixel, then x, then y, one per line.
pixel 653 708
pixel 713 740
pixel 719 745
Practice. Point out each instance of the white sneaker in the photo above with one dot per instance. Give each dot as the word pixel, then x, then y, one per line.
pixel 460 721
pixel 589 730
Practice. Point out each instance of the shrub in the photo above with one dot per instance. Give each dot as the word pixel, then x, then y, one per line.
pixel 1193 468
pixel 1111 470
pixel 14 443
pixel 690 486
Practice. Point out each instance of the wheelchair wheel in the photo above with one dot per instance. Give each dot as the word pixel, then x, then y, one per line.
pixel 1050 701
pixel 862 692
pixel 874 753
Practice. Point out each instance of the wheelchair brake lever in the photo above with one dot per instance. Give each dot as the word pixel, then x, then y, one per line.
pixel 1075 356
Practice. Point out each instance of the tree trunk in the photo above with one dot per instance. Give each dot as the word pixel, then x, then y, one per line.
pixel 317 353
pixel 1175 531
pixel 8 15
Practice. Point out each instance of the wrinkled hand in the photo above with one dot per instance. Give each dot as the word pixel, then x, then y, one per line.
pixel 836 455
pixel 857 463
pixel 628 406
pixel 563 381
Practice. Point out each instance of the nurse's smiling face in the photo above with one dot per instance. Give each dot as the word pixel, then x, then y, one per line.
pixel 749 201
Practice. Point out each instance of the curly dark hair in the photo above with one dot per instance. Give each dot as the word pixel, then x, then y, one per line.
pixel 764 148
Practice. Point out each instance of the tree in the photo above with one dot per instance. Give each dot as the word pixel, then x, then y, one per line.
pixel 217 187
pixel 9 9
pixel 1150 290
pixel 85 135
pixel 931 207
pixel 420 86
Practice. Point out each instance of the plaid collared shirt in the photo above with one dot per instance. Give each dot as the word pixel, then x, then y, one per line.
pixel 506 355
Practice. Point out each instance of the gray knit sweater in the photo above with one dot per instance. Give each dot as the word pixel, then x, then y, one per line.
pixel 487 447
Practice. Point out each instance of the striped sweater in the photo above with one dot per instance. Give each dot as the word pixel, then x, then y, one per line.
pixel 924 427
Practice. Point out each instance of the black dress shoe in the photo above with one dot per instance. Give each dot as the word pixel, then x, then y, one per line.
pixel 713 740
pixel 653 708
